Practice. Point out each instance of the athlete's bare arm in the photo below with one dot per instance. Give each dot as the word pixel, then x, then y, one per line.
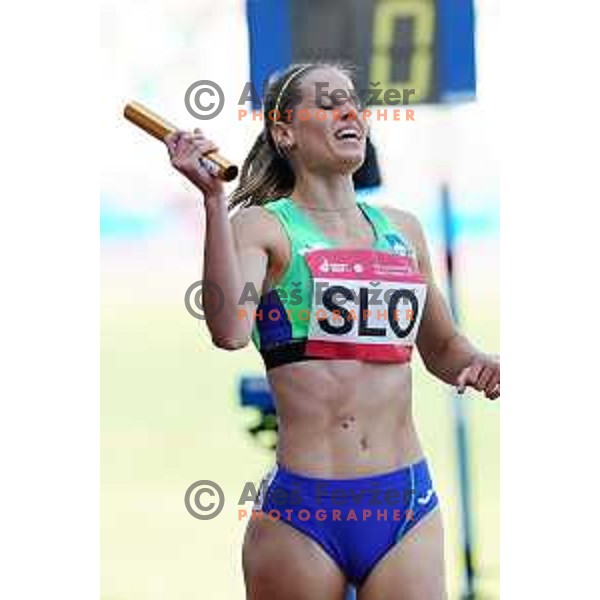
pixel 236 258
pixel 236 251
pixel 446 353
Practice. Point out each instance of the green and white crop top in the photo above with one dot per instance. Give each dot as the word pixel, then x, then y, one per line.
pixel 340 303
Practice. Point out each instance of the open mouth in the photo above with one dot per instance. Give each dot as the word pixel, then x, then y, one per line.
pixel 348 133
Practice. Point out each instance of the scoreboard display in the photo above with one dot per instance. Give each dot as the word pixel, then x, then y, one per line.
pixel 421 45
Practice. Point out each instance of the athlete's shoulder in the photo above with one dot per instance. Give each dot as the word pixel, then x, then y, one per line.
pixel 407 222
pixel 255 223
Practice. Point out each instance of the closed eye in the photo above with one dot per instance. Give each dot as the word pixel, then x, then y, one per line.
pixel 327 106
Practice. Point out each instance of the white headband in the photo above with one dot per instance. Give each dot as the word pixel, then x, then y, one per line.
pixel 287 83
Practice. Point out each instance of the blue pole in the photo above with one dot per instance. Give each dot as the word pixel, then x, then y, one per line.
pixel 459 411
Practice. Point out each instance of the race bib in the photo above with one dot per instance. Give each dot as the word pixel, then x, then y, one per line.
pixel 366 305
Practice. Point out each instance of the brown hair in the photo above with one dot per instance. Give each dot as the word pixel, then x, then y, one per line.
pixel 267 173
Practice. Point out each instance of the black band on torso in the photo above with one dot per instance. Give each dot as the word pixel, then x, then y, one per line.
pixel 290 352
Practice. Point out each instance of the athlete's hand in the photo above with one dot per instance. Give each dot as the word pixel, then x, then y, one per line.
pixel 186 150
pixel 483 374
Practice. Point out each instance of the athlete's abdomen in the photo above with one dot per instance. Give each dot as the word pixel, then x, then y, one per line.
pixel 345 418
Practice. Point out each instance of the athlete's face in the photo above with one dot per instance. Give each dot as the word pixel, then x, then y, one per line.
pixel 327 132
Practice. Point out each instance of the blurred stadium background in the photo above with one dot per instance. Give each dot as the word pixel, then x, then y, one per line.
pixel 170 411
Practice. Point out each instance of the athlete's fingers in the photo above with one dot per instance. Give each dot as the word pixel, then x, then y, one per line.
pixel 171 140
pixel 205 146
pixel 486 375
pixel 193 140
pixel 468 376
pixel 186 142
pixel 461 381
pixel 181 143
pixel 197 137
pixel 493 383
pixel 465 378
pixel 194 149
pixel 494 395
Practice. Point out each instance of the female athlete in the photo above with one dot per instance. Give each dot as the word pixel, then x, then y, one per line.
pixel 344 291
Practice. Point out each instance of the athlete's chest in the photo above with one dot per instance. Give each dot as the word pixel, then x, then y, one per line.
pixel 364 297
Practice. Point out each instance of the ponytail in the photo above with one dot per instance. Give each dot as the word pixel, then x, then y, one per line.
pixel 266 175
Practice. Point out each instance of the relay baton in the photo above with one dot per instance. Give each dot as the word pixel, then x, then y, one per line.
pixel 157 127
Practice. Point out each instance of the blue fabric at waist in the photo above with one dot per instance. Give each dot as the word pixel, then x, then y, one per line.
pixel 403 478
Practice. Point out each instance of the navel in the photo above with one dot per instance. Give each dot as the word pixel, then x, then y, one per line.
pixel 348 421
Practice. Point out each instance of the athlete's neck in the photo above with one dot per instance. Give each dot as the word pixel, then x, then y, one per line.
pixel 325 194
